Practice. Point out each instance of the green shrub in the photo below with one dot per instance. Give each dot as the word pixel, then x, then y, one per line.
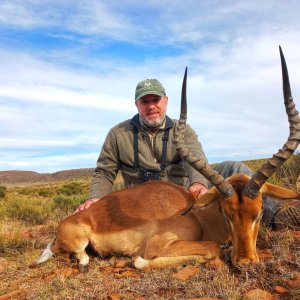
pixel 3 190
pixel 38 190
pixel 31 210
pixel 68 204
pixel 72 188
pixel 26 191
pixel 44 192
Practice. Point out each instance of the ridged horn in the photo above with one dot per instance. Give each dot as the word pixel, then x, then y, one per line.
pixel 201 166
pixel 265 172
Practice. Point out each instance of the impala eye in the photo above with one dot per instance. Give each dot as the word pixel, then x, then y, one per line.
pixel 228 217
pixel 256 219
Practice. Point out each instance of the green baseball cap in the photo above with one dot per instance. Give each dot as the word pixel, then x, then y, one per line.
pixel 149 87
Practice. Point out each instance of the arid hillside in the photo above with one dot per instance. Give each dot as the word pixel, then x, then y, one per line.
pixel 19 178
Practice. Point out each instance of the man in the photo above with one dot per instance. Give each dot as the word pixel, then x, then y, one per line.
pixel 142 149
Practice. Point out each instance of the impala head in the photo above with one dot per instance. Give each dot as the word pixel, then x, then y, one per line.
pixel 240 196
pixel 242 215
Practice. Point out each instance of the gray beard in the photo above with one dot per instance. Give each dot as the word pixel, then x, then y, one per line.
pixel 155 124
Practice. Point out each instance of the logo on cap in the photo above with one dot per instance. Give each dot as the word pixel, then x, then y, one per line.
pixel 147 87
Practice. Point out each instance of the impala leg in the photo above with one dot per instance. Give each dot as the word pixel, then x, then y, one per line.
pixel 77 249
pixel 83 260
pixel 181 251
pixel 207 249
pixel 163 262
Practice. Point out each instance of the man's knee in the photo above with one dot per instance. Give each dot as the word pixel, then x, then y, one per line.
pixel 229 167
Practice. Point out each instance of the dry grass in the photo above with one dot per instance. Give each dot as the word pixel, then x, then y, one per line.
pixel 59 278
pixel 285 176
pixel 20 244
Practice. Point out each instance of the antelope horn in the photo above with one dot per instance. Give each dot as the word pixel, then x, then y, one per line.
pixel 265 172
pixel 201 166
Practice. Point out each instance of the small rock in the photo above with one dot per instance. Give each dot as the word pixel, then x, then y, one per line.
pixel 296 234
pixel 66 272
pixel 257 294
pixel 3 264
pixel 121 263
pixel 295 282
pixel 117 270
pixel 69 271
pixel 125 274
pixel 114 296
pixel 35 231
pixel 106 270
pixel 280 289
pixel 204 298
pixel 265 254
pixel 26 234
pixel 17 295
pixel 112 260
pixel 186 273
pixel 215 264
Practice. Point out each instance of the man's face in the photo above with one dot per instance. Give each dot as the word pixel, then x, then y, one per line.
pixel 152 109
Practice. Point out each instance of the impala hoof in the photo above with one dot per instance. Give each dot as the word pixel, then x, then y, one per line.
pixel 243 262
pixel 82 268
pixel 140 263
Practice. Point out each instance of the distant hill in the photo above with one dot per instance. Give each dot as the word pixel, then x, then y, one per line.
pixel 21 178
pixel 15 178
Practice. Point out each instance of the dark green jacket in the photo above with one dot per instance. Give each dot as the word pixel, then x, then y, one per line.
pixel 117 154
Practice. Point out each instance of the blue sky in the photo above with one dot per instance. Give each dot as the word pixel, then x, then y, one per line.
pixel 69 70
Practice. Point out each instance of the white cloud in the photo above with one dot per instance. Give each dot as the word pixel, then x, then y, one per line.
pixel 65 98
pixel 15 13
pixel 80 17
pixel 52 94
pixel 51 163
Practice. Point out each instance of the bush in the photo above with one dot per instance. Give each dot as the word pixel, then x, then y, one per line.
pixel 72 188
pixel 32 210
pixel 45 192
pixel 3 190
pixel 68 204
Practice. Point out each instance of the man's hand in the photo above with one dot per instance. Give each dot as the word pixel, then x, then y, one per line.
pixel 197 189
pixel 86 204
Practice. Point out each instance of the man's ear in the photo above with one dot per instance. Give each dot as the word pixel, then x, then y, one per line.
pixel 166 99
pixel 136 103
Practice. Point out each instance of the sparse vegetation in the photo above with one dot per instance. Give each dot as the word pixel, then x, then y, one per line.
pixel 286 175
pixel 3 190
pixel 23 208
pixel 30 210
pixel 71 188
pixel 67 204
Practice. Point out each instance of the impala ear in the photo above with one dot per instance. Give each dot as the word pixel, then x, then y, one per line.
pixel 272 190
pixel 209 197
